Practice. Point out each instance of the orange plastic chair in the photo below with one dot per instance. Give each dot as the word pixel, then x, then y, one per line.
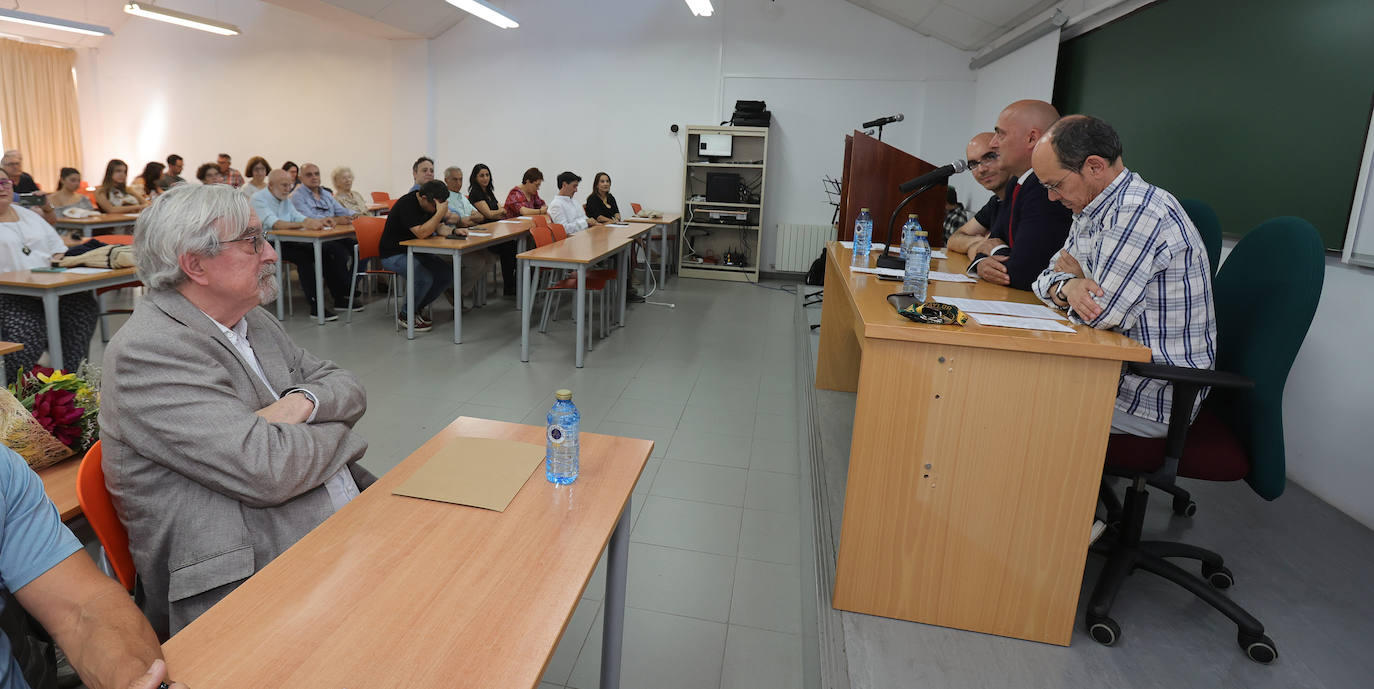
pixel 559 234
pixel 548 234
pixel 368 231
pixel 540 220
pixel 636 208
pixel 89 195
pixel 381 197
pixel 125 239
pixel 100 513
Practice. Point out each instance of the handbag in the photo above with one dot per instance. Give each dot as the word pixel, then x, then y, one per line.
pixel 108 256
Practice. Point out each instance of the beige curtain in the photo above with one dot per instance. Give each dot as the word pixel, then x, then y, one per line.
pixel 38 111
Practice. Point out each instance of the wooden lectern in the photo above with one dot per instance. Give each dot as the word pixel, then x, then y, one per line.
pixel 872 172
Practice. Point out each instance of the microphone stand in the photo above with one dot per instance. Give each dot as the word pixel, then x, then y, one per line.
pixel 885 261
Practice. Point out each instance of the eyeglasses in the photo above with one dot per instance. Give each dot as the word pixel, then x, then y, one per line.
pixel 987 159
pixel 1054 187
pixel 255 240
pixel 6 182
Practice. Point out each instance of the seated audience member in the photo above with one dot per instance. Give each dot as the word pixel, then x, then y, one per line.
pixel 482 195
pixel 257 170
pixel 524 199
pixel 13 164
pixel 104 635
pixel 461 213
pixel 422 170
pixel 601 205
pixel 172 176
pixel 146 184
pixel 342 177
pixel 982 162
pixel 112 196
pixel 294 171
pixel 276 211
pixel 209 173
pixel 224 441
pixel 68 194
pixel 1133 263
pixel 418 215
pixel 231 176
pixel 564 210
pixel 1030 227
pixel 955 213
pixel 314 201
pixel 27 242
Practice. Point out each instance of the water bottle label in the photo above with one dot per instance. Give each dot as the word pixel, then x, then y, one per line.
pixel 557 434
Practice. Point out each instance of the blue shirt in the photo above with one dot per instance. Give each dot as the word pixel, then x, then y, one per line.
pixel 33 540
pixel 323 206
pixel 270 210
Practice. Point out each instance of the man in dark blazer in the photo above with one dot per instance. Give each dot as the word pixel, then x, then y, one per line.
pixel 1029 228
pixel 224 441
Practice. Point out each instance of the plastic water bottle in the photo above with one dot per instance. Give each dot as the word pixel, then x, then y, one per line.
pixel 915 280
pixel 863 238
pixel 560 449
pixel 912 225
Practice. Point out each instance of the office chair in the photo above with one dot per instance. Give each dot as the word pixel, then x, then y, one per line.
pixel 1208 225
pixel 1265 297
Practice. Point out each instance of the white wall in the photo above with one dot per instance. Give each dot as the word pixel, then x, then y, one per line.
pixel 823 67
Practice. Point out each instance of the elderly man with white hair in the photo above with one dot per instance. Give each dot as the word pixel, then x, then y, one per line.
pixel 224 441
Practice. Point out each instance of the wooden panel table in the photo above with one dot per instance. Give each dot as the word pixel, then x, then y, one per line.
pixel 59 482
pixel 396 592
pixel 378 208
pixel 662 224
pixel 104 221
pixel 51 286
pixel 316 238
pixel 501 231
pixel 976 457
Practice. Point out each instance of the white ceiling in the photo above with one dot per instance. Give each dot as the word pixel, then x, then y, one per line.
pixel 383 18
pixel 964 24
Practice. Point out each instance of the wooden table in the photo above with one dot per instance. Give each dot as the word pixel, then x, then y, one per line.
pixel 316 238
pixel 662 225
pixel 975 461
pixel 401 592
pixel 378 208
pixel 8 348
pixel 501 231
pixel 51 286
pixel 59 482
pixel 104 221
pixel 577 252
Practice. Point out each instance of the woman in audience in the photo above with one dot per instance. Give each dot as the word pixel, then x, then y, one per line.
pixel 112 196
pixel 257 171
pixel 295 171
pixel 209 173
pixel 524 199
pixel 145 184
pixel 28 242
pixel 482 193
pixel 343 190
pixel 422 170
pixel 68 194
pixel 601 205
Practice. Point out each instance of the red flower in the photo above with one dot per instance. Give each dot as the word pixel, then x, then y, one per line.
pixel 56 412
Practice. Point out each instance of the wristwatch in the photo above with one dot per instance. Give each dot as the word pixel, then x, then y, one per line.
pixel 1059 292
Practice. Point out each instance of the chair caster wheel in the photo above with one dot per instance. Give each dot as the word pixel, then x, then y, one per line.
pixel 1219 577
pixel 1104 630
pixel 1184 507
pixel 1260 649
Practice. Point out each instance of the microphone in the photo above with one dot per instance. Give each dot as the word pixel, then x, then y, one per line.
pixel 937 175
pixel 881 121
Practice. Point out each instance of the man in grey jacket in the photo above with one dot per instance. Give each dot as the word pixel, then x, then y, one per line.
pixel 224 441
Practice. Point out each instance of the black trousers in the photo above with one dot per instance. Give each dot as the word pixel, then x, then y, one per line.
pixel 338 270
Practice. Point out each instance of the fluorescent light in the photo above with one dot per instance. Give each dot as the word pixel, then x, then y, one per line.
pixel 700 8
pixel 190 21
pixel 484 11
pixel 53 23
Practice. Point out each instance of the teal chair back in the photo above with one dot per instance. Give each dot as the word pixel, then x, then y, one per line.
pixel 1265 296
pixel 1208 225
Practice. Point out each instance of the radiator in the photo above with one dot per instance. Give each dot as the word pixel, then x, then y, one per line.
pixel 797 246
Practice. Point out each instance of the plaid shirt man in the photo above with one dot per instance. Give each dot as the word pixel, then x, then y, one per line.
pixel 955 219
pixel 234 178
pixel 1135 241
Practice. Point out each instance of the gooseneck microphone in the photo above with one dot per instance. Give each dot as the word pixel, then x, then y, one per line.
pixel 881 121
pixel 935 176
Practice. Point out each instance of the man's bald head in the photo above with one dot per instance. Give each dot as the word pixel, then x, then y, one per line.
pixel 1019 126
pixel 310 176
pixel 982 161
pixel 279 183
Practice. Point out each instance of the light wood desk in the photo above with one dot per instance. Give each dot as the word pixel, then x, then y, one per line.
pixel 662 224
pixel 501 231
pixel 378 208
pixel 8 348
pixel 976 457
pixel 316 238
pixel 59 482
pixel 51 286
pixel 397 592
pixel 104 221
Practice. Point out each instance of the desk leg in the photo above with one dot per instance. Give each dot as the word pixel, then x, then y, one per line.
pixel 624 273
pixel 581 310
pixel 662 255
pixel 410 293
pixel 524 282
pixel 282 272
pixel 526 297
pixel 50 314
pixel 319 279
pixel 458 298
pixel 613 622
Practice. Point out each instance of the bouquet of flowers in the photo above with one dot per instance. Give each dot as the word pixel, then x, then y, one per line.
pixel 47 415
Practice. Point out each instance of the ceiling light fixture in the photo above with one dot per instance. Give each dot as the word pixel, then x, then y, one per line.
pixel 700 8
pixel 190 21
pixel 43 22
pixel 484 11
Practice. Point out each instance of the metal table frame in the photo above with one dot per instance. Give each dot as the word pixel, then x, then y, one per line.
pixel 457 253
pixel 50 297
pixel 283 274
pixel 526 276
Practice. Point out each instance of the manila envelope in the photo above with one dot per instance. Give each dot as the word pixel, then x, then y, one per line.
pixel 480 472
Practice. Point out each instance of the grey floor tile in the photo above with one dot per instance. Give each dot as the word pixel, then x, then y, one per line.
pixel 696 445
pixel 767 596
pixel 717 421
pixel 560 666
pixel 661 436
pixel 660 413
pixel 740 400
pixel 681 582
pixel 776 427
pixel 646 479
pixel 665 389
pixel 661 651
pixel 774 492
pixel 770 536
pixel 700 482
pixel 774 455
pixel 761 659
pixel 777 404
pixel 689 525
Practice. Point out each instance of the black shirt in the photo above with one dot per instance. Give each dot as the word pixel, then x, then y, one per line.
pixel 988 212
pixel 1039 229
pixel 25 184
pixel 484 195
pixel 597 209
pixel 406 214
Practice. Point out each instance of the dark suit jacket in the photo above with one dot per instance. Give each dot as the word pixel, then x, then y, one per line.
pixel 209 491
pixel 1039 229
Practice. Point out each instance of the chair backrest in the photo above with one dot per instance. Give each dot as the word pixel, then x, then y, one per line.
pixel 368 230
pixel 381 197
pixel 1208 225
pixel 559 234
pixel 636 208
pixel 125 239
pixel 542 235
pixel 100 514
pixel 1265 295
pixel 90 195
pixel 540 220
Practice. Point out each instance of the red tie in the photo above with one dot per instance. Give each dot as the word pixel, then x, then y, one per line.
pixel 1011 215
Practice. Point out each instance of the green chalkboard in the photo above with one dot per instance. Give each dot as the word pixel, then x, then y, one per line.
pixel 1259 107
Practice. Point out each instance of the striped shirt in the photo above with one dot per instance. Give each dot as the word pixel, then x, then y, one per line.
pixel 1136 241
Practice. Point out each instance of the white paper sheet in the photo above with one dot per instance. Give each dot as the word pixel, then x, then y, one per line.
pixel 83 270
pixel 511 222
pixel 950 277
pixel 890 272
pixel 478 234
pixel 617 224
pixel 877 246
pixel 1004 308
pixel 1023 323
pixel 938 253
